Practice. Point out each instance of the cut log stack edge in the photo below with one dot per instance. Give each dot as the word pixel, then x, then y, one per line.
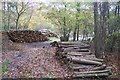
pixel 81 60
pixel 26 36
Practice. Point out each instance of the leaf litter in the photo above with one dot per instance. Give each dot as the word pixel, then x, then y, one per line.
pixel 34 62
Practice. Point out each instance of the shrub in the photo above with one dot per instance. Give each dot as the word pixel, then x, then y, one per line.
pixel 113 42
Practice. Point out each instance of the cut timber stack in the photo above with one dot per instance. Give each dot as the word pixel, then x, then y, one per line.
pixel 81 60
pixel 27 36
pixel 50 34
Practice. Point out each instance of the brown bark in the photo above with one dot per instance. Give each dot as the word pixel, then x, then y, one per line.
pixel 75 50
pixel 92 75
pixel 78 53
pixel 93 72
pixel 85 61
pixel 99 68
pixel 96 31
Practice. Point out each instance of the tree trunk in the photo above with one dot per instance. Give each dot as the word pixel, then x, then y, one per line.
pixel 3 17
pixel 74 34
pixel 118 10
pixel 8 8
pixel 77 20
pixel 17 21
pixel 96 31
pixel 5 37
pixel 104 17
pixel 64 30
pixel 78 32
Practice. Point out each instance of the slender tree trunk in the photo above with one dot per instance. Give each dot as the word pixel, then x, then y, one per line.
pixel 75 30
pixel 5 39
pixel 78 32
pixel 68 34
pixel 83 38
pixel 78 10
pixel 118 10
pixel 74 34
pixel 109 26
pixel 3 17
pixel 64 28
pixel 8 8
pixel 17 21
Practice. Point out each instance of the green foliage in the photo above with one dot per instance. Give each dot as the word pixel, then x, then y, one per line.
pixel 114 21
pixel 5 69
pixel 0 71
pixel 113 42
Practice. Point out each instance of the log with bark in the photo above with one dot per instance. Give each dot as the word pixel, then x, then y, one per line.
pixel 95 59
pixel 81 56
pixel 66 46
pixel 76 53
pixel 85 61
pixel 91 75
pixel 99 68
pixel 93 72
pixel 73 43
pixel 77 67
pixel 76 46
pixel 75 50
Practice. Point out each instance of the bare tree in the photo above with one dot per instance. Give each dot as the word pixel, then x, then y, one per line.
pixel 24 7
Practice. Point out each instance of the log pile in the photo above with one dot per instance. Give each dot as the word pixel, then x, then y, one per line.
pixel 26 36
pixel 49 34
pixel 81 60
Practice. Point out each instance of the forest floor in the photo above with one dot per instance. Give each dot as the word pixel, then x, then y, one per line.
pixel 111 59
pixel 27 61
pixel 34 61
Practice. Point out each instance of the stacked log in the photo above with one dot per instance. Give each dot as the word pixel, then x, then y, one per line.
pixel 26 36
pixel 82 61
